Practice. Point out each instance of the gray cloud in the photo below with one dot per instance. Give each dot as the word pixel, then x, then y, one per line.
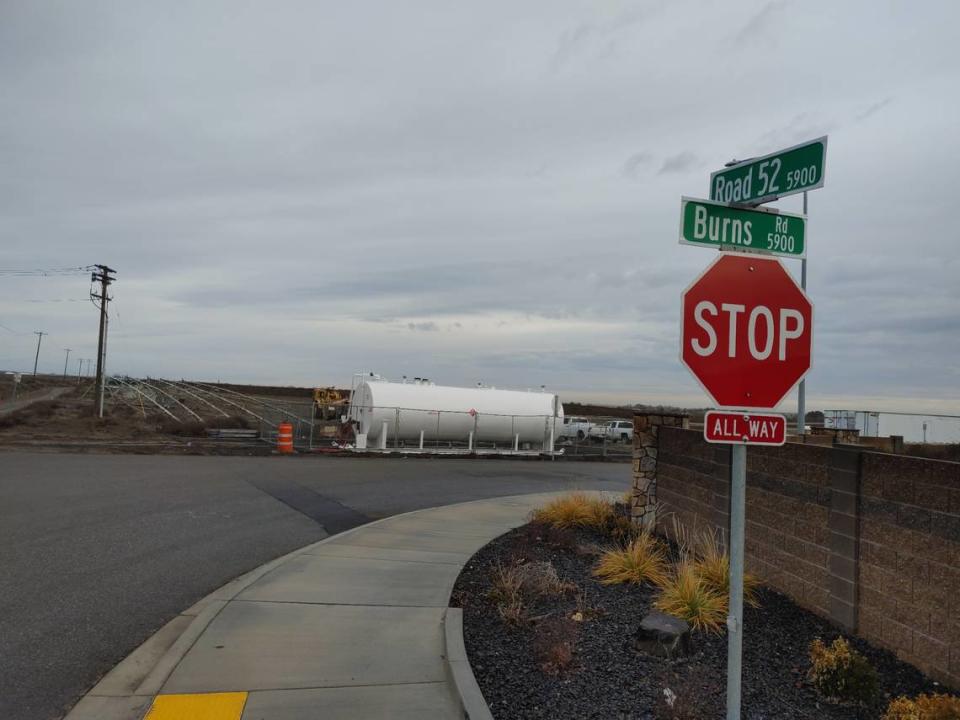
pixel 759 24
pixel 600 34
pixel 423 326
pixel 679 163
pixel 873 108
pixel 289 192
pixel 632 165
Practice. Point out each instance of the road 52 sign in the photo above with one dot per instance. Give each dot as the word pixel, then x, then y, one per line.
pixel 762 179
pixel 747 331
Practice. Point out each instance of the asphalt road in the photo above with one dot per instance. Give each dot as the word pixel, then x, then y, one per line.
pixel 97 552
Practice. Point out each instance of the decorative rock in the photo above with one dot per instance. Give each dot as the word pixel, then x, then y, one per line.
pixel 663 635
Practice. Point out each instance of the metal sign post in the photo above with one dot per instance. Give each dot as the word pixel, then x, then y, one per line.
pixel 739 429
pixel 802 390
pixel 738 521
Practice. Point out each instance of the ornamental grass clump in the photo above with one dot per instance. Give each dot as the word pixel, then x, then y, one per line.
pixel 841 673
pixel 712 565
pixel 924 707
pixel 686 596
pixel 641 560
pixel 576 509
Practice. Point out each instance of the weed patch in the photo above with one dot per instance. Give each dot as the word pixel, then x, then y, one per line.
pixel 554 641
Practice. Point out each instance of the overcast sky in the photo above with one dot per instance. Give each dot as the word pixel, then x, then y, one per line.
pixel 294 191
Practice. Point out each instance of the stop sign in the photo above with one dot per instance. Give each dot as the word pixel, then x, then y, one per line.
pixel 747 331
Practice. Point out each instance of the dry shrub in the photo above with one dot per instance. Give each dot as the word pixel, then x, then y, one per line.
pixel 540 579
pixel 169 426
pixel 513 588
pixel 576 509
pixel 712 564
pixel 619 529
pixel 31 414
pixel 841 673
pixel 641 560
pixel 506 583
pixel 513 611
pixel 585 609
pixel 686 596
pixel 925 707
pixel 554 641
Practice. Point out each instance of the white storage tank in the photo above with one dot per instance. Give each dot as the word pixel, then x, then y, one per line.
pixel 449 414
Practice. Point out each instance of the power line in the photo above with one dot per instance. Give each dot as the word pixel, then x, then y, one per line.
pixel 48 272
pixel 57 300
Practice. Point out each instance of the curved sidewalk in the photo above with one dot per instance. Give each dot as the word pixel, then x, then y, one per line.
pixel 349 627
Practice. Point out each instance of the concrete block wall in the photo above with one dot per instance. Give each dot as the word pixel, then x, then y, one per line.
pixel 867 540
pixel 909 562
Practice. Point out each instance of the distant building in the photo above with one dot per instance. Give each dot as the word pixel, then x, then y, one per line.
pixel 914 428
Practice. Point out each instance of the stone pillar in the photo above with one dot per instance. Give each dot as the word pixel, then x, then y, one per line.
pixel 645 447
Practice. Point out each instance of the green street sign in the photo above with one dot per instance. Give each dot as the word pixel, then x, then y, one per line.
pixel 762 179
pixel 711 224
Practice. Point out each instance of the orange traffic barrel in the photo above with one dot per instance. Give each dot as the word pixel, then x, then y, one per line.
pixel 285 437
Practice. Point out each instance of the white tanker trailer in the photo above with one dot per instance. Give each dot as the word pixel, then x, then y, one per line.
pixel 449 414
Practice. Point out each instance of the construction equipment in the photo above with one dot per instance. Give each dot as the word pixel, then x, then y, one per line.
pixel 329 403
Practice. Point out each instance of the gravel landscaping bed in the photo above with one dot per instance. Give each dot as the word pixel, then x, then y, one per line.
pixel 524 673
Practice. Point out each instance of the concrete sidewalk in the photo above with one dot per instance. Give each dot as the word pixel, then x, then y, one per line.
pixel 350 627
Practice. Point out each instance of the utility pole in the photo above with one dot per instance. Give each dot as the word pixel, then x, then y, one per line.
pixel 102 274
pixel 802 390
pixel 37 358
pixel 65 361
pixel 79 368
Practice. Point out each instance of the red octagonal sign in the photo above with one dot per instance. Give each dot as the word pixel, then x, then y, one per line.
pixel 747 331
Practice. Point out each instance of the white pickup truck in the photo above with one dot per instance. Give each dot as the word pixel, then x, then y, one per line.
pixel 613 431
pixel 575 428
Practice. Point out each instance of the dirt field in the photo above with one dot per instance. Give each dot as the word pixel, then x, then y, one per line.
pixel 68 420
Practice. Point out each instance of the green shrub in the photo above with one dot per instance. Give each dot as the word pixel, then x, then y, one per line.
pixel 925 707
pixel 841 673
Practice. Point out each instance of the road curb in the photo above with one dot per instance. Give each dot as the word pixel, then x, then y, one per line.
pixel 459 671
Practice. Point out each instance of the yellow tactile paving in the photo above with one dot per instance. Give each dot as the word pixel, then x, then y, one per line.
pixel 205 706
